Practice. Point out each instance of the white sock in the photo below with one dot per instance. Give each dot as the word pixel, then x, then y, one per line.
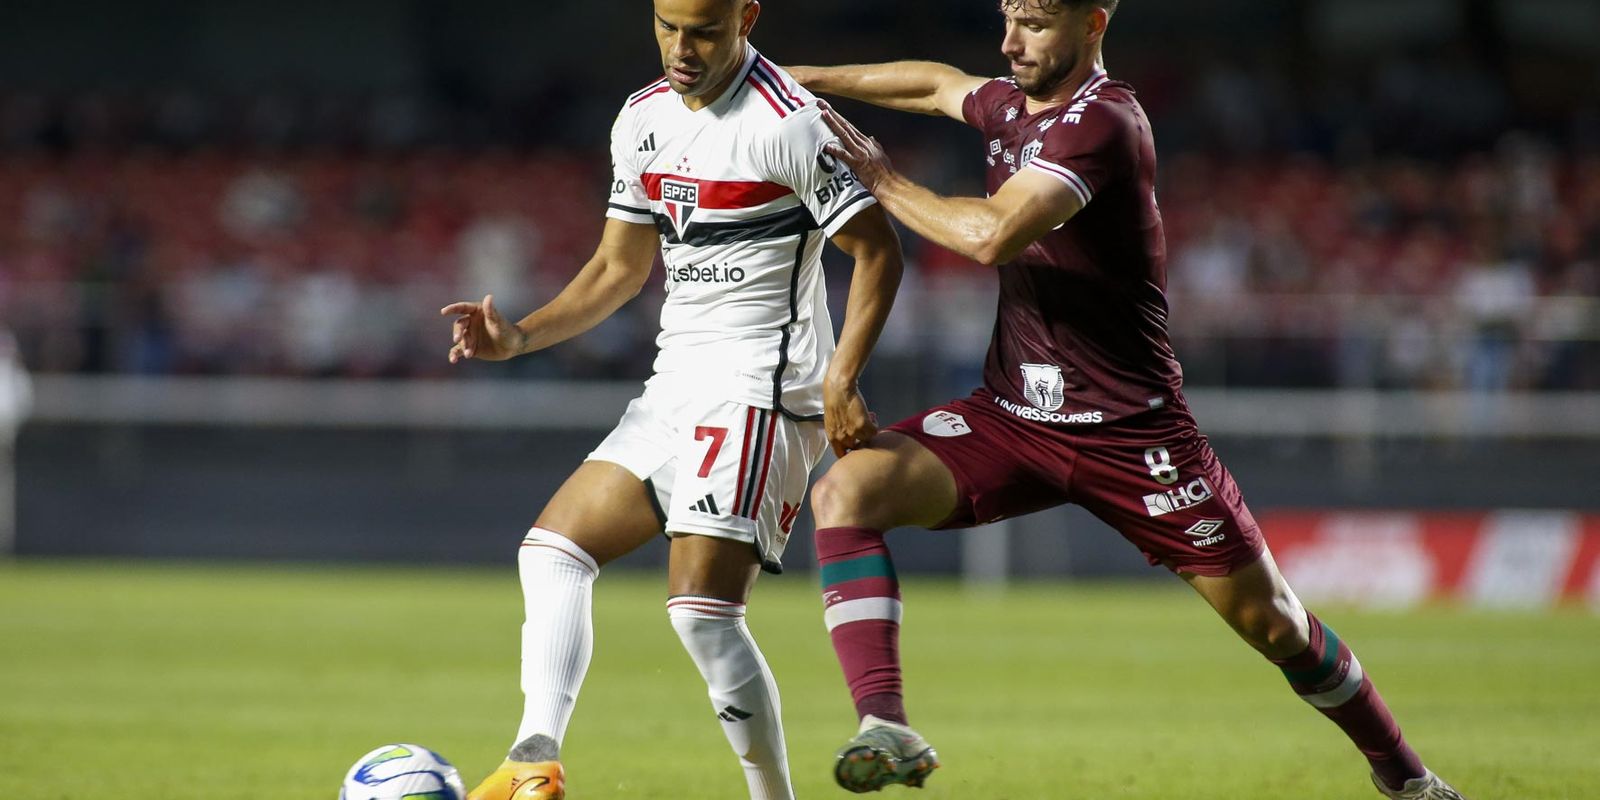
pixel 743 693
pixel 558 631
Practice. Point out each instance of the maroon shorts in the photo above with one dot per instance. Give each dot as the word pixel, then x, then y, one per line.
pixel 1153 477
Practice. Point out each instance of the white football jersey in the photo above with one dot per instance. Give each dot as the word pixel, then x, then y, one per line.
pixel 743 198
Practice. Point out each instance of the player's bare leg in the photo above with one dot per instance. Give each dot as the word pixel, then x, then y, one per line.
pixel 708 585
pixel 1258 604
pixel 601 513
pixel 893 482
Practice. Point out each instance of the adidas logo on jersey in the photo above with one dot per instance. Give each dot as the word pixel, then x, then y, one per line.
pixel 707 505
pixel 649 143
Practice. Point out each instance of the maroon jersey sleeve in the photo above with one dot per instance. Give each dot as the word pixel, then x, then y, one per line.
pixel 982 106
pixel 1091 145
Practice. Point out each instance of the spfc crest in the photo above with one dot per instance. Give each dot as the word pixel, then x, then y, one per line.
pixel 1030 150
pixel 1043 385
pixel 680 198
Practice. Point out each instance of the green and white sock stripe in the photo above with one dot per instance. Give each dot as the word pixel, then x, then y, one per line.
pixel 885 608
pixel 873 565
pixel 1341 693
pixel 1312 684
pixel 861 588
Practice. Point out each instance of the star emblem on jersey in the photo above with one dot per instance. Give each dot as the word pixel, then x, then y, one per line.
pixel 1044 385
pixel 1011 114
pixel 680 199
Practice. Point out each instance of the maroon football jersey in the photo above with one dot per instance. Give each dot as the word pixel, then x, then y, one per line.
pixel 1081 335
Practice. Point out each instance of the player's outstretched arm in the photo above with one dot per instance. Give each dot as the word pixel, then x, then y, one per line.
pixel 871 241
pixel 990 230
pixel 613 276
pixel 922 87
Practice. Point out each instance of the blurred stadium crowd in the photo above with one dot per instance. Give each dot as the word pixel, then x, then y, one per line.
pixel 1416 223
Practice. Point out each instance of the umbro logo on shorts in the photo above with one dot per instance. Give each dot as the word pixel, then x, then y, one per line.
pixel 1207 531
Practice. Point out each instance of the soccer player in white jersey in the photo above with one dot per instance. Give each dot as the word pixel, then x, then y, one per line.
pixel 720 163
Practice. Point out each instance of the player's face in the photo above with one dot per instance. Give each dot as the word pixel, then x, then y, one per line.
pixel 702 42
pixel 1044 48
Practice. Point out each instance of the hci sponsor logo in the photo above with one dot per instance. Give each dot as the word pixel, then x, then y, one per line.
pixel 1189 495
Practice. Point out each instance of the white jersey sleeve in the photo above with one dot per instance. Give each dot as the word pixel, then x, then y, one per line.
pixel 628 201
pixel 793 157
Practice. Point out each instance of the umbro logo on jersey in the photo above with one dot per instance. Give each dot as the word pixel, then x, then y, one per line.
pixel 649 143
pixel 707 505
pixel 734 714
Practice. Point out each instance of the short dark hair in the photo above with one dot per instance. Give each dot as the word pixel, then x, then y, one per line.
pixel 1055 6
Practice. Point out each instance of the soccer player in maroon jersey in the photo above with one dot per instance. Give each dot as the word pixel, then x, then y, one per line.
pixel 1082 399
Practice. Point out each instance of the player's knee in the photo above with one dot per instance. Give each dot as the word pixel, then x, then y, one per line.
pixel 543 549
pixel 830 497
pixel 1273 629
pixel 840 497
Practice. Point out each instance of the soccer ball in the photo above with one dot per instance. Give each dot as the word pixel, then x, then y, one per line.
pixel 402 772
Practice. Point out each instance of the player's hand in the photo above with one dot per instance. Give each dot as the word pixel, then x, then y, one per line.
pixel 861 152
pixel 845 417
pixel 480 332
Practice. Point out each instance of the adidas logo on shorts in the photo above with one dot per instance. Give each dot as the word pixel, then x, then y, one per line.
pixel 707 505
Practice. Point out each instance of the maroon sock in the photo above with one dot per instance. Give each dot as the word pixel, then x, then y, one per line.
pixel 862 601
pixel 1328 676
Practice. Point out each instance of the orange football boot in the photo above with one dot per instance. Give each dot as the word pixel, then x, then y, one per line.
pixel 521 780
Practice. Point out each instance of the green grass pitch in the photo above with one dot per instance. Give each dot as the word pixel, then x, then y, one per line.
pixel 134 680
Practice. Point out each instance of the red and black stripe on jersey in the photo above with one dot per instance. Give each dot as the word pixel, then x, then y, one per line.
pixel 765 79
pixel 652 90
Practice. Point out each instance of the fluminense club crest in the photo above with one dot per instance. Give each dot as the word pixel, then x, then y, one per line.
pixel 1044 386
pixel 680 199
pixel 1030 150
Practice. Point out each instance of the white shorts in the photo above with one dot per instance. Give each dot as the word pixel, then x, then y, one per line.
pixel 717 468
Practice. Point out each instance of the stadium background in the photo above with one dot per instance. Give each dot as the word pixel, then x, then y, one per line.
pixel 226 227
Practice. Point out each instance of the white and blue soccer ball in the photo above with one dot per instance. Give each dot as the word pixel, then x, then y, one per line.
pixel 402 772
